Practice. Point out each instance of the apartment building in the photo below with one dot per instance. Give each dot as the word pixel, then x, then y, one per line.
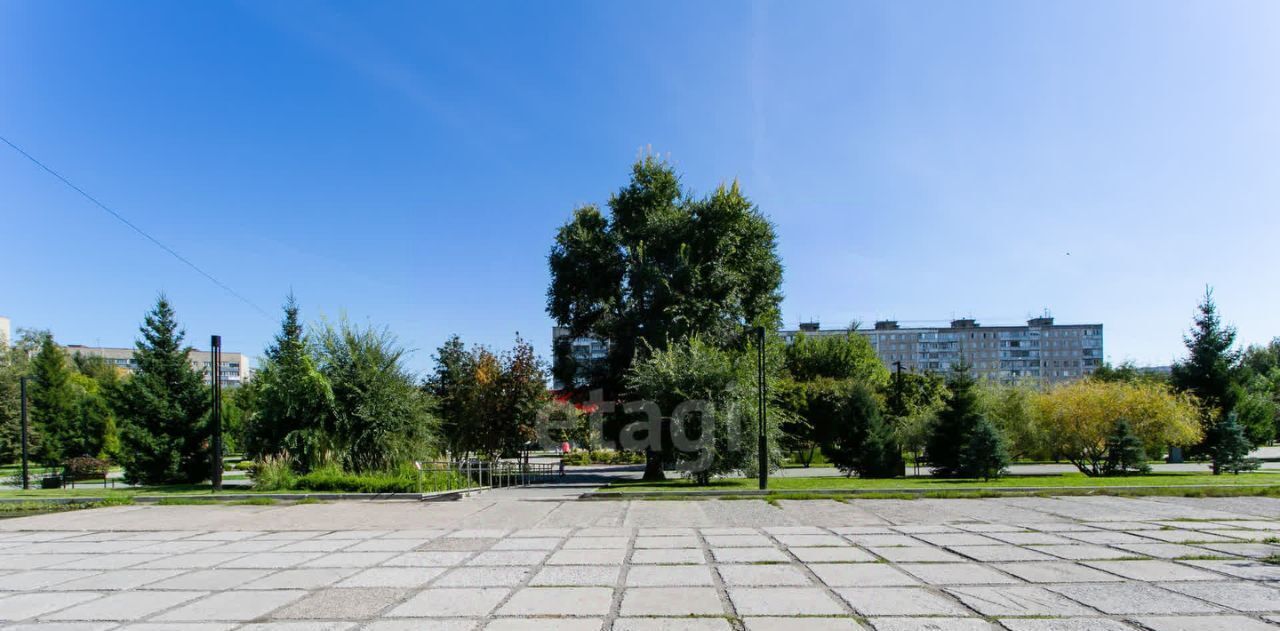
pixel 1040 350
pixel 586 352
pixel 233 371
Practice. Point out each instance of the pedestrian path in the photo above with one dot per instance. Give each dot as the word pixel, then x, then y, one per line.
pixel 998 572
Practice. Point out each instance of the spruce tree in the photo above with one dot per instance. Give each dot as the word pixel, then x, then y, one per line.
pixel 292 402
pixel 1208 370
pixel 954 423
pixel 1124 451
pixel 1229 447
pixel 161 408
pixel 982 453
pixel 53 403
pixel 855 412
pixel 880 455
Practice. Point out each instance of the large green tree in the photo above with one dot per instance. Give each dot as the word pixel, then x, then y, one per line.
pixel 489 403
pixel 291 406
pixel 52 404
pixel 161 408
pixel 382 418
pixel 954 423
pixel 1209 370
pixel 15 363
pixel 706 399
pixel 661 266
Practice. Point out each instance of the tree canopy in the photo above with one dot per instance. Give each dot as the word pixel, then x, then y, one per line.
pixel 661 267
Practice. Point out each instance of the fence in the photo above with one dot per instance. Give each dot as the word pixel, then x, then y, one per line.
pixel 448 476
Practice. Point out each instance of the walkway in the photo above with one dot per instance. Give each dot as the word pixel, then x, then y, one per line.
pixel 528 564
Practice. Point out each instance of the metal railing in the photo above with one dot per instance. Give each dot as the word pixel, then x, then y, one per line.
pixel 438 476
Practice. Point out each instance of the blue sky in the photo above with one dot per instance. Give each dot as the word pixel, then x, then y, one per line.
pixel 406 164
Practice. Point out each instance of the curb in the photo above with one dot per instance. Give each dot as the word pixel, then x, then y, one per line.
pixel 999 490
pixel 438 496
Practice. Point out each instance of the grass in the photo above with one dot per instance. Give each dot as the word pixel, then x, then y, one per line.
pixel 1056 481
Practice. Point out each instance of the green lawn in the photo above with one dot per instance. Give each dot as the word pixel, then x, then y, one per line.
pixel 1064 480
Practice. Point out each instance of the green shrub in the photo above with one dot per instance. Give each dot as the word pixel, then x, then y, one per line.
pixel 245 465
pixel 273 473
pixel 602 456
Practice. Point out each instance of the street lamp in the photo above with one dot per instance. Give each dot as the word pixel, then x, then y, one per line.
pixel 763 446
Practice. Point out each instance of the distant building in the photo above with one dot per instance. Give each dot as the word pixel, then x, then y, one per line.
pixel 587 353
pixel 1039 350
pixel 6 333
pixel 233 371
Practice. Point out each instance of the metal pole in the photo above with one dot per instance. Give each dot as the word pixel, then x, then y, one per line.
pixel 763 447
pixel 215 351
pixel 26 475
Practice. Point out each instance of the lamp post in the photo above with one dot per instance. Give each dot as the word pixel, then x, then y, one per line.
pixel 26 476
pixel 763 447
pixel 215 416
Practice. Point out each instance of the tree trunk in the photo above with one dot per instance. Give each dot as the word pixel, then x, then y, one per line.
pixel 653 467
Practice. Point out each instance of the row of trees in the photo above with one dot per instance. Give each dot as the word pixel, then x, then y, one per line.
pixel 337 395
pixel 673 281
pixel 69 400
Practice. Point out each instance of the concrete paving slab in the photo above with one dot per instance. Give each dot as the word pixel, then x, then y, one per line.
pixel 579 575
pixel 1236 595
pixel 861 575
pixel 763 575
pixel 484 576
pixel 783 601
pixel 1017 600
pixel 22 606
pixel 931 624
pixel 123 605
pixel 451 603
pixel 1132 598
pixel 671 601
pixel 957 574
pixel 1203 623
pixel 809 623
pixel 559 601
pixel 900 601
pixel 671 575
pixel 349 604
pixel 233 605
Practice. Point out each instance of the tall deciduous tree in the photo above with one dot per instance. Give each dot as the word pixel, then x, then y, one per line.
pixel 662 266
pixel 291 402
pixel 705 397
pixel 161 408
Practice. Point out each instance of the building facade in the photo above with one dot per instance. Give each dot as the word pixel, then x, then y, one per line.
pixel 6 332
pixel 233 371
pixel 587 353
pixel 1041 350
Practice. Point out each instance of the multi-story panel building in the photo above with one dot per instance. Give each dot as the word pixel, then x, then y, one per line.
pixel 586 353
pixel 1039 350
pixel 233 371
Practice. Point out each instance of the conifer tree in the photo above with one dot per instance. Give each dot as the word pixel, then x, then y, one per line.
pixel 1124 451
pixel 292 401
pixel 880 455
pixel 52 402
pixel 1229 447
pixel 983 454
pixel 161 407
pixel 1208 371
pixel 954 423
pixel 854 413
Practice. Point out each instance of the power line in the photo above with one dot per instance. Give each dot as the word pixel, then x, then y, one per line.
pixel 135 228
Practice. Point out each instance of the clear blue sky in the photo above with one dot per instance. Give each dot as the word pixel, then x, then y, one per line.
pixel 408 163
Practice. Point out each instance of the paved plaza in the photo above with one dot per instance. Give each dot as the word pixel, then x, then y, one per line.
pixel 526 560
